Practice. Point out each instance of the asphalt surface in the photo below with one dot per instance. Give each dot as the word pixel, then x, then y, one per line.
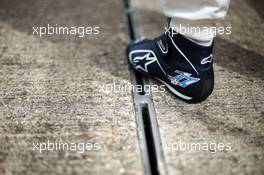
pixel 53 89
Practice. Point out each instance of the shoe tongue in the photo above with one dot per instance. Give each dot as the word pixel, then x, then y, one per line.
pixel 162 44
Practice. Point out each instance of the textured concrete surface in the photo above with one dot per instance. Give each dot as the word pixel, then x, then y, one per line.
pixel 51 88
pixel 233 114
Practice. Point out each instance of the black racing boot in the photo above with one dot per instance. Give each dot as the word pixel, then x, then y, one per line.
pixel 185 67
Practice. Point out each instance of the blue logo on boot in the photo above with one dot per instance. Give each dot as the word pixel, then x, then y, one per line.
pixel 182 79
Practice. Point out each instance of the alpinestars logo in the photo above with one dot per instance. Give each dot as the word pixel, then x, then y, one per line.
pixel 141 59
pixel 208 59
pixel 182 79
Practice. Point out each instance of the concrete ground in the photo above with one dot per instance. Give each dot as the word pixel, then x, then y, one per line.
pixel 52 88
pixel 233 114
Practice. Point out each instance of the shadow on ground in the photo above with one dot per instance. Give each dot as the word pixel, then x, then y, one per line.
pixel 237 59
pixel 22 16
pixel 258 5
